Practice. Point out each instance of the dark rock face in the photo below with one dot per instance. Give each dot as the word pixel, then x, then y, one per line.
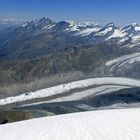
pixel 3 121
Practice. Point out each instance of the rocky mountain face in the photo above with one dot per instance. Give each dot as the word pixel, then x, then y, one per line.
pixel 44 48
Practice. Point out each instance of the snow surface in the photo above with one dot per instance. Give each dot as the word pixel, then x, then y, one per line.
pixel 48 26
pixel 123 39
pixel 104 89
pixel 126 59
pixel 117 34
pixel 70 86
pixel 83 28
pixel 88 31
pixel 122 124
pixel 104 32
pixel 137 28
pixel 25 24
pixel 135 40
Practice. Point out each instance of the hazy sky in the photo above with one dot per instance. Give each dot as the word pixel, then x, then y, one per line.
pixel 101 11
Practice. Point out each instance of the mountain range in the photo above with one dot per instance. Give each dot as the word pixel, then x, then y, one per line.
pixel 64 51
pixel 46 35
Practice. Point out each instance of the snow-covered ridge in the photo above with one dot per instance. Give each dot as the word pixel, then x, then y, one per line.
pixel 88 31
pixel 131 28
pixel 104 32
pixel 117 33
pixel 123 124
pixel 86 28
pixel 70 86
pixel 83 28
pixel 25 24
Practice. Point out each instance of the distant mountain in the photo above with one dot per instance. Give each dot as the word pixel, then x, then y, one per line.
pixel 45 36
pixel 81 30
pixel 132 29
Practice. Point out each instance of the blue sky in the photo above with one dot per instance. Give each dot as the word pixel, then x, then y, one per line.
pixel 101 11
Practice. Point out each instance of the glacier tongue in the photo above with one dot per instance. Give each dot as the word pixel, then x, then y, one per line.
pixel 70 86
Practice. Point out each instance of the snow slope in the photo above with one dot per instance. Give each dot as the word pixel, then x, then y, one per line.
pixel 88 31
pixel 104 32
pixel 65 88
pixel 83 28
pixel 123 124
pixel 117 34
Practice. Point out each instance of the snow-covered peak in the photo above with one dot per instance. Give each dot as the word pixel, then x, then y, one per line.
pixel 107 30
pixel 83 24
pixel 111 24
pixel 117 34
pixel 137 27
pixel 130 33
pixel 45 20
pixel 43 23
pixel 62 26
pixel 134 24
pixel 132 29
pixel 131 26
pixel 25 24
pixel 88 31
pixel 71 22
pixel 83 28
